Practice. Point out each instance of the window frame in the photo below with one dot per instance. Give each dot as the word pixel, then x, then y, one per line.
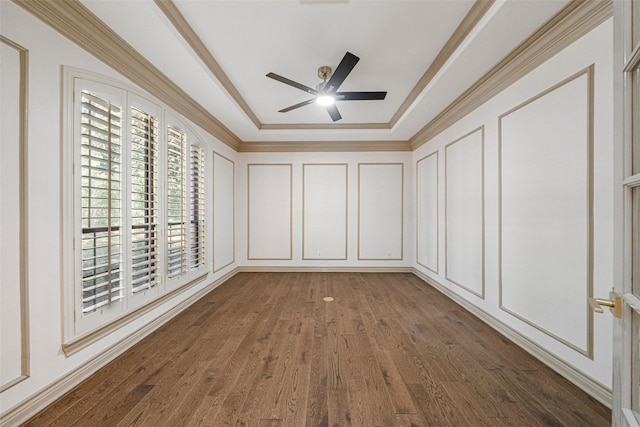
pixel 81 330
pixel 110 311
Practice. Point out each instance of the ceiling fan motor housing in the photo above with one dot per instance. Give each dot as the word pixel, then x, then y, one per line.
pixel 324 72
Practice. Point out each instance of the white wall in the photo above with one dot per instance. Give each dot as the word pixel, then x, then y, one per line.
pixel 49 367
pixel 276 191
pixel 541 192
pixel 13 330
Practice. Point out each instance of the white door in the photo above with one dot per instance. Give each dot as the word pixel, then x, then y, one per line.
pixel 626 333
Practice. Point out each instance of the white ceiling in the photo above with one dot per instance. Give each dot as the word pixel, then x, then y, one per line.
pixel 397 41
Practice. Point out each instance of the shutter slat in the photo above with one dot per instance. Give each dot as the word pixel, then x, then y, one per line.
pixel 144 219
pixel 100 184
pixel 196 206
pixel 176 203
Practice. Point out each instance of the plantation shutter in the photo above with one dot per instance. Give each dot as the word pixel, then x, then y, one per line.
pixel 144 200
pixel 100 156
pixel 176 203
pixel 197 207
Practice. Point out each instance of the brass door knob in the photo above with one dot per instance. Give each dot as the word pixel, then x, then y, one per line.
pixel 614 304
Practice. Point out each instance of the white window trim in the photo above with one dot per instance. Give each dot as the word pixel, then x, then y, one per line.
pixel 78 331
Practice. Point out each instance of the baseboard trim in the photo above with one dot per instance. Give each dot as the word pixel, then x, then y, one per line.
pixel 314 269
pixel 590 386
pixel 43 398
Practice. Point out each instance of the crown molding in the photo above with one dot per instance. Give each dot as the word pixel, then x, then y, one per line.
pixel 471 19
pixel 74 21
pixel 81 26
pixel 477 11
pixel 572 22
pixel 171 11
pixel 323 146
pixel 325 126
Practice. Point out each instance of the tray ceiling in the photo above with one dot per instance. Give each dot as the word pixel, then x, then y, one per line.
pixel 423 53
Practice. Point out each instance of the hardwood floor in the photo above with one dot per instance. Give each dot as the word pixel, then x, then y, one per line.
pixel 265 349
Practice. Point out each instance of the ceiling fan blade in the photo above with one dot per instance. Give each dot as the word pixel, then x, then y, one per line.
pixel 344 68
pixel 301 104
pixel 292 83
pixel 333 112
pixel 359 96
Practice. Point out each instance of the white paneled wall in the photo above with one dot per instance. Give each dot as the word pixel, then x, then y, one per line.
pixel 13 303
pixel 464 211
pixel 380 205
pixel 269 227
pixel 324 213
pixel 546 212
pixel 427 219
pixel 524 184
pixel 331 210
pixel 224 223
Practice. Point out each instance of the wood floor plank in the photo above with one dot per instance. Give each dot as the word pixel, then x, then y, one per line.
pixel 304 345
pixel 408 420
pixel 335 374
pixel 73 405
pixel 317 401
pixel 396 387
pixel 359 396
pixel 434 405
pixel 295 397
pixel 338 408
pixel 139 415
pixel 266 398
pixel 265 349
pixel 513 380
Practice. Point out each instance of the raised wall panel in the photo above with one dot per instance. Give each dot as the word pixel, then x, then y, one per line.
pixel 546 203
pixel 324 211
pixel 380 211
pixel 464 217
pixel 427 212
pixel 223 212
pixel 269 211
pixel 14 351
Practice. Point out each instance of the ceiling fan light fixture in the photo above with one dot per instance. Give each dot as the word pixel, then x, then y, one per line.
pixel 325 100
pixel 326 93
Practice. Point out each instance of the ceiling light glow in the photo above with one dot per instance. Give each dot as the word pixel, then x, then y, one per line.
pixel 325 100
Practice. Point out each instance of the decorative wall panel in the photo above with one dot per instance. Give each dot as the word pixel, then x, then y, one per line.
pixel 546 203
pixel 14 351
pixel 269 228
pixel 324 211
pixel 464 218
pixel 223 212
pixel 427 212
pixel 380 211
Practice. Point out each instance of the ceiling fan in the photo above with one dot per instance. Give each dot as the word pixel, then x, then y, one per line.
pixel 326 93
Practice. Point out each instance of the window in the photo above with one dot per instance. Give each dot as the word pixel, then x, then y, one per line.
pixel 136 205
pixel 176 206
pixel 179 260
pixel 144 200
pixel 100 127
